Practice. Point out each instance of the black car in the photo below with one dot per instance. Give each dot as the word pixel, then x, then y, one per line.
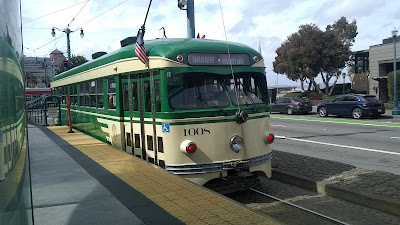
pixel 355 105
pixel 290 106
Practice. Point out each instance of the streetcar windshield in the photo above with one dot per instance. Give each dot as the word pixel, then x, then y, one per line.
pixel 247 91
pixel 197 92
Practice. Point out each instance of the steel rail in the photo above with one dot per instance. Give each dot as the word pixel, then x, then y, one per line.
pixel 302 208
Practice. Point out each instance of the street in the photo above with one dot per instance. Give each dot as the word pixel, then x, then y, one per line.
pixel 366 143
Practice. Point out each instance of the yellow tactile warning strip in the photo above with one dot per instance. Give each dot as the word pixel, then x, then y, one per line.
pixel 187 202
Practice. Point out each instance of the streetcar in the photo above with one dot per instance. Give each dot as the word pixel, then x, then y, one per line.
pixel 196 109
pixel 15 187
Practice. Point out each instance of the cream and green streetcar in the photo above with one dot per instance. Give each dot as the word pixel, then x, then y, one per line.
pixel 196 109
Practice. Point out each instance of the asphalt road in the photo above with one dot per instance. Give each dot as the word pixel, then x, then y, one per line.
pixel 366 143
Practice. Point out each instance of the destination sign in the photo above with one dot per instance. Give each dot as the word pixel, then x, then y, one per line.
pixel 218 59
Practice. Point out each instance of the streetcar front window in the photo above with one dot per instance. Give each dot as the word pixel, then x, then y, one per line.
pixel 197 92
pixel 247 90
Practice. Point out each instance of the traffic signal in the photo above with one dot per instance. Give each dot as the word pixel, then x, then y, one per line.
pixel 65 63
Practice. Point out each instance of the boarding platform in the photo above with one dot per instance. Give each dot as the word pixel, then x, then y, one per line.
pixel 77 179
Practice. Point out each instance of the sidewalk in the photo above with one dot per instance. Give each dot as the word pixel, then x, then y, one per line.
pixel 375 189
pixel 388 114
pixel 65 193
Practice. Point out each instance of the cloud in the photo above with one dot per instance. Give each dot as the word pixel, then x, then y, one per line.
pixel 272 21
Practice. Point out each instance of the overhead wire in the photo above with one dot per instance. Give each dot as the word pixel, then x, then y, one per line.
pixel 38 28
pixel 55 12
pixel 229 55
pixel 78 13
pixel 58 39
pixel 103 13
pixel 45 44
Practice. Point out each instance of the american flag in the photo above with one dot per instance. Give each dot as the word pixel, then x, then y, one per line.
pixel 140 51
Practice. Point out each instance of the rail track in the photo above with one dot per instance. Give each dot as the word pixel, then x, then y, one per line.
pixel 330 219
pixel 289 204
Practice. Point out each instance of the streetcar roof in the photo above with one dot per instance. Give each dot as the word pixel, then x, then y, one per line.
pixel 168 48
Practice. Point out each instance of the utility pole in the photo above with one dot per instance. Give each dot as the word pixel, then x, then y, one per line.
pixel 188 5
pixel 395 110
pixel 67 31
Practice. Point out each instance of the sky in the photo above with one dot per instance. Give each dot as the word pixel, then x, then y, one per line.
pixel 105 23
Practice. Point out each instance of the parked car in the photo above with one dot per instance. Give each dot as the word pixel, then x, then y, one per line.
pixel 290 106
pixel 355 105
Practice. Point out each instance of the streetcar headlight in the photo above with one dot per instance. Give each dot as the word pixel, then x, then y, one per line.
pixel 188 147
pixel 236 143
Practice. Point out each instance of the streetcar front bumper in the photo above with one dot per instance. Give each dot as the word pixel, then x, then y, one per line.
pixel 186 169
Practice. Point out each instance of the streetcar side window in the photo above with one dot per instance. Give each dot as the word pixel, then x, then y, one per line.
pixel 111 93
pixel 135 97
pixel 147 96
pixel 100 98
pixel 126 98
pixel 93 94
pixel 157 95
pixel 81 94
pixel 74 93
pixel 63 94
pixel 134 100
pixel 87 96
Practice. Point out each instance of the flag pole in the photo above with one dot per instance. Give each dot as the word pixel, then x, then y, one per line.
pixel 147 13
pixel 140 50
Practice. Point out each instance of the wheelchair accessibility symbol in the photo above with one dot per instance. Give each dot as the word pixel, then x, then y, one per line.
pixel 165 127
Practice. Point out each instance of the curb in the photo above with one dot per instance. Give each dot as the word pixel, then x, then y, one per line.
pixel 337 191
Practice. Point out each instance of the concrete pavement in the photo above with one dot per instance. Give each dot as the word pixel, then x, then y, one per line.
pixel 375 189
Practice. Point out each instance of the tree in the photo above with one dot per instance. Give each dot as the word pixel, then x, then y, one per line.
pixel 31 80
pixel 310 52
pixel 298 57
pixel 338 39
pixel 75 61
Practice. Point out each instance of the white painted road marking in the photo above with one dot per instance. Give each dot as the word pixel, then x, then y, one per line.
pixel 395 137
pixel 277 125
pixel 336 145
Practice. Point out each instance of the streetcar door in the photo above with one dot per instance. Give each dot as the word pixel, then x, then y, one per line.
pixel 131 115
pixel 140 107
pixel 150 105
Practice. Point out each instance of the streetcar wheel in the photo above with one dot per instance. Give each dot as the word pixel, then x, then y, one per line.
pixel 357 113
pixel 322 112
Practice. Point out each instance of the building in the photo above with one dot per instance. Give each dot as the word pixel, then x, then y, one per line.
pixel 374 64
pixel 42 68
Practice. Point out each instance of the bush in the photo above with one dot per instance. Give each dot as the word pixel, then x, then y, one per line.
pixel 390 85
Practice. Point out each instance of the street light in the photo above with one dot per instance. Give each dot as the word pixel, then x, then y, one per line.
pixel 67 31
pixel 395 110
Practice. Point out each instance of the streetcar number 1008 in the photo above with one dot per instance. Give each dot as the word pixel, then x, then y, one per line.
pixel 196 131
